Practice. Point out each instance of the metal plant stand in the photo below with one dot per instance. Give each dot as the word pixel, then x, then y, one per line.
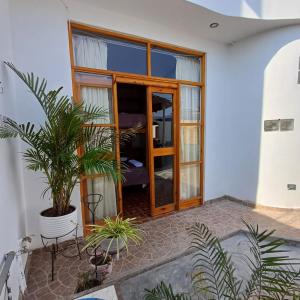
pixel 52 245
pixel 92 205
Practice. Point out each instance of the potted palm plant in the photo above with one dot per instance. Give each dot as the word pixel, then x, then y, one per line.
pixel 53 149
pixel 113 236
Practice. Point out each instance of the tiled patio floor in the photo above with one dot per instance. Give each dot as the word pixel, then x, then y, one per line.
pixel 164 238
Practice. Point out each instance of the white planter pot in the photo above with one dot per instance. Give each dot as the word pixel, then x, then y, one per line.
pixel 113 247
pixel 58 226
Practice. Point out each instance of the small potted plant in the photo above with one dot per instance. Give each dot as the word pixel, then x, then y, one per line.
pixel 101 263
pixel 87 281
pixel 114 235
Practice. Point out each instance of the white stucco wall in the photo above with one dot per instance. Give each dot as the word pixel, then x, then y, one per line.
pixel 239 156
pixel 264 86
pixel 12 210
pixel 47 54
pixel 256 9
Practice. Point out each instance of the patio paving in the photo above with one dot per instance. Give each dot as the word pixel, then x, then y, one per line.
pixel 164 238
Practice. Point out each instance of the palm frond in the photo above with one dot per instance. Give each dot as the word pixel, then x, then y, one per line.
pixel 273 272
pixel 164 292
pixel 213 269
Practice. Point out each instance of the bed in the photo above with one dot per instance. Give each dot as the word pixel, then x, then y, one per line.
pixel 135 175
pixel 131 120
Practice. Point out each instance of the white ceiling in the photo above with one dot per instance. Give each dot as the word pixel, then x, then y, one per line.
pixel 194 18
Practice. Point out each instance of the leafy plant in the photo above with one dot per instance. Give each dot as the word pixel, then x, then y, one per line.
pixel 53 145
pixel 164 292
pixel 86 281
pixel 273 272
pixel 117 230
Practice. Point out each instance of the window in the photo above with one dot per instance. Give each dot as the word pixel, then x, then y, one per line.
pixel 100 52
pixel 169 64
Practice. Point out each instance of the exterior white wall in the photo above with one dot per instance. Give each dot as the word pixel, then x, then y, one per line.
pixel 264 72
pixel 41 46
pixel 239 96
pixel 12 210
pixel 256 9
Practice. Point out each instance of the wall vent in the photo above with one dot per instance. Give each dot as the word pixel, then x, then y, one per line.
pixel 280 124
pixel 271 125
pixel 286 124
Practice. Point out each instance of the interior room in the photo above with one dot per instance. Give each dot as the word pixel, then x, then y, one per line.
pixel 132 107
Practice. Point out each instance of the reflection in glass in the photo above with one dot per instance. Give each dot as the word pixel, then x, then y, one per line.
pixel 189 181
pixel 162 110
pixel 163 176
pixel 169 64
pixel 189 143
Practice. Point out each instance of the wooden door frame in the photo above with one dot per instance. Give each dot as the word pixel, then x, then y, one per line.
pixel 158 86
pixel 158 152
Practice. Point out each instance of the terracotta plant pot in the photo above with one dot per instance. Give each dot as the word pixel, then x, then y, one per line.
pixel 51 227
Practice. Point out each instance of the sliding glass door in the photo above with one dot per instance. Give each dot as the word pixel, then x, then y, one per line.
pixel 162 149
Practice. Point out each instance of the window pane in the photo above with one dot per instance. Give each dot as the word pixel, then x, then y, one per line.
pixel 163 176
pixel 106 187
pixel 189 143
pixel 162 115
pixel 101 97
pixel 170 64
pixel 189 181
pixel 189 104
pixel 100 52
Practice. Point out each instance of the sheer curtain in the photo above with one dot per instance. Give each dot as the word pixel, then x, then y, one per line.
pixel 100 97
pixel 188 68
pixel 90 52
pixel 189 181
pixel 106 187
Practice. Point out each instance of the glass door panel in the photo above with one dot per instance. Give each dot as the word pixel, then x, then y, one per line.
pixel 163 180
pixel 162 122
pixel 162 149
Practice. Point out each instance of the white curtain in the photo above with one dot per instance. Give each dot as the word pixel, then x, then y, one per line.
pixel 105 187
pixel 189 143
pixel 189 104
pixel 187 68
pixel 90 52
pixel 100 97
pixel 189 181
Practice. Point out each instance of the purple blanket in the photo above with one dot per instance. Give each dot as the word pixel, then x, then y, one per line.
pixel 131 120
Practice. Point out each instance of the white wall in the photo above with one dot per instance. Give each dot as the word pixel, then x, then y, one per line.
pixel 256 9
pixel 41 45
pixel 12 211
pixel 264 86
pixel 236 83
